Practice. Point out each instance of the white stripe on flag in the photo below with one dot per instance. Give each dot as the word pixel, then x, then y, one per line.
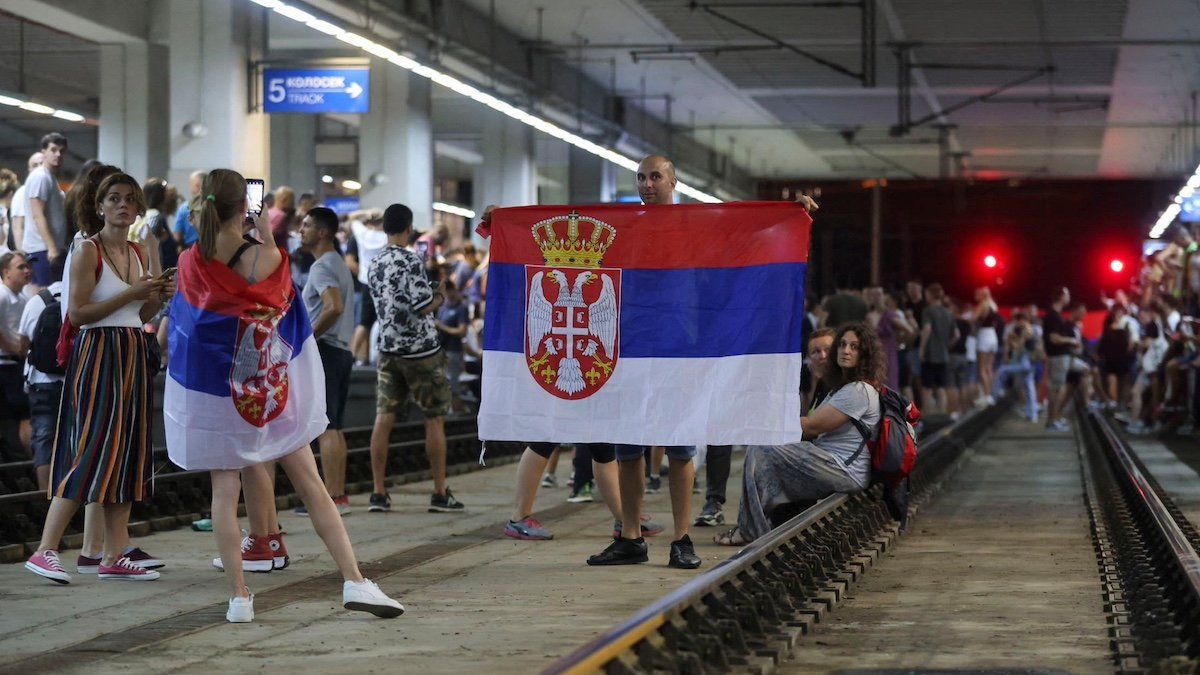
pixel 750 400
pixel 205 432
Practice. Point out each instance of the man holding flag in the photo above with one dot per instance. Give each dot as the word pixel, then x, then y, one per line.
pixel 707 348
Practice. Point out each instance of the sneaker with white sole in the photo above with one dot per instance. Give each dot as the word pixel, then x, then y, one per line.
pixel 125 569
pixel 47 565
pixel 142 559
pixel 86 565
pixel 256 555
pixel 241 610
pixel 365 596
pixel 278 551
pixel 549 481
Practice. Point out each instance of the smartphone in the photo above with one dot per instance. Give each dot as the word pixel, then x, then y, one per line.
pixel 255 188
pixel 168 273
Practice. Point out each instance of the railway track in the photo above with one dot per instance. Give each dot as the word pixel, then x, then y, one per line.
pixel 751 612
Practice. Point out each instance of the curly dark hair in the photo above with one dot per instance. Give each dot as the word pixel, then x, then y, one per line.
pixel 872 362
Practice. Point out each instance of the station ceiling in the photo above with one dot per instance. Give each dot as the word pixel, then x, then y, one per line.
pixel 1107 91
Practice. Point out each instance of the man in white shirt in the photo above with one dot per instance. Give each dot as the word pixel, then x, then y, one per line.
pixel 45 235
pixel 20 203
pixel 14 404
pixel 44 389
pixel 369 240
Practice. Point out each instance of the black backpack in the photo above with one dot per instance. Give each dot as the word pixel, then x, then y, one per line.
pixel 43 348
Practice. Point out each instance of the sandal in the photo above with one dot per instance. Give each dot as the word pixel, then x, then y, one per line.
pixel 730 537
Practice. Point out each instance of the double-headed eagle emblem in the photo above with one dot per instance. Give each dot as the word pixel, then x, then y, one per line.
pixel 571 341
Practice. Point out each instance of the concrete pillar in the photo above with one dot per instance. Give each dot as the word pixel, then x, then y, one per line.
pixel 133 121
pixel 294 152
pixel 212 44
pixel 395 144
pixel 508 175
pixel 592 179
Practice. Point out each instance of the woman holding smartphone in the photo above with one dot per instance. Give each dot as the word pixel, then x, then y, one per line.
pixel 241 380
pixel 102 451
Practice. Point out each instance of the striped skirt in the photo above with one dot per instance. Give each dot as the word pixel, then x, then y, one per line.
pixel 102 448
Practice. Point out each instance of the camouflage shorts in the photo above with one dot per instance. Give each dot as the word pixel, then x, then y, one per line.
pixel 424 379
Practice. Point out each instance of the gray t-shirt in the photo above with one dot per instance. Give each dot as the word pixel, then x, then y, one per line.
pixel 941 322
pixel 860 401
pixel 330 271
pixel 41 185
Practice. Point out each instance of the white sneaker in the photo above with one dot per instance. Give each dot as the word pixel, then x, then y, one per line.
pixel 366 597
pixel 241 610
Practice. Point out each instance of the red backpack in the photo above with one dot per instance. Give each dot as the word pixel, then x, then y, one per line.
pixel 893 446
pixel 66 334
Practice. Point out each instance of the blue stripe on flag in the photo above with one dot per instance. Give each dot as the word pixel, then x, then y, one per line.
pixel 202 344
pixel 690 313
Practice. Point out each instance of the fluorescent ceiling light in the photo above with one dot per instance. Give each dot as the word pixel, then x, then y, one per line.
pixel 325 27
pixel 68 116
pixel 453 210
pixel 37 108
pixel 294 14
pixel 351 184
pixel 471 92
pixel 8 100
pixel 326 178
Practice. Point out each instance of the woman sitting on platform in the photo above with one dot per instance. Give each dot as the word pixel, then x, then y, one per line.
pixel 244 376
pixel 835 460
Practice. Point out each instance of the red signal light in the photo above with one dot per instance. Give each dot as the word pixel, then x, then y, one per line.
pixel 990 261
pixel 1116 265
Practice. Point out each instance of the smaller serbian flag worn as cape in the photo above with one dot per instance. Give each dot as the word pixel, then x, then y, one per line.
pixel 244 378
pixel 649 325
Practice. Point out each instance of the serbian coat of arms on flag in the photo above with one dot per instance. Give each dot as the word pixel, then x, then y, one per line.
pixel 663 325
pixel 244 378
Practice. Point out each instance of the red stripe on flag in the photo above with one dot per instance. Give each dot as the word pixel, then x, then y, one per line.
pixel 679 236
pixel 212 286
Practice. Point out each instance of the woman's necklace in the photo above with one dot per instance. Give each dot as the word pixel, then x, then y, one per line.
pixel 113 264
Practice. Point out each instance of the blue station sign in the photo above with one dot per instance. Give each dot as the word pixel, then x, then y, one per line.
pixel 316 90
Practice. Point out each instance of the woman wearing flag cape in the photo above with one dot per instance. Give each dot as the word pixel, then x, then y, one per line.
pixel 242 381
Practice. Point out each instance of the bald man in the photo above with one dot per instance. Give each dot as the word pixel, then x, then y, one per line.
pixel 656 182
pixel 20 204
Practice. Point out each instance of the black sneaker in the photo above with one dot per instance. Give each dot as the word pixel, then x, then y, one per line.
pixel 683 554
pixel 445 503
pixel 711 515
pixel 622 552
pixel 380 502
pixel 654 484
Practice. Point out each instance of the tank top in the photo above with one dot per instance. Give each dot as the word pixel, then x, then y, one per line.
pixel 111 285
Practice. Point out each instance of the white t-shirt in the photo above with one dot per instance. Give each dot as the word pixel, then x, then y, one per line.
pixel 41 185
pixel 29 319
pixel 5 227
pixel 20 205
pixel 370 243
pixel 11 306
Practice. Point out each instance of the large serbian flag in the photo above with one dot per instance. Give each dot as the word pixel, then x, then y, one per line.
pixel 653 325
pixel 244 378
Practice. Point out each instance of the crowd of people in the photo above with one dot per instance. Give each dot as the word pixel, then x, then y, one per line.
pixel 101 258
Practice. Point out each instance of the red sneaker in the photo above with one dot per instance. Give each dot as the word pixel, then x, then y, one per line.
pixel 46 565
pixel 126 570
pixel 343 504
pixel 256 555
pixel 280 559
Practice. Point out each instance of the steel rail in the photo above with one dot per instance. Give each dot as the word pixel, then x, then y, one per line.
pixel 606 647
pixel 1184 553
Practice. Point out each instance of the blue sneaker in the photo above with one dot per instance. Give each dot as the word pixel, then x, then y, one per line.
pixel 301 511
pixel 528 529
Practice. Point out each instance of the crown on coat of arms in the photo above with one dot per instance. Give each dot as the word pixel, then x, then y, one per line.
pixel 569 248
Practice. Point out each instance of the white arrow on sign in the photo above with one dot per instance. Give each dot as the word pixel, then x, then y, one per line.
pixel 355 90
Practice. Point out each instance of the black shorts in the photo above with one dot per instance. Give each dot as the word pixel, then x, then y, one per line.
pixel 14 403
pixel 933 375
pixel 337 363
pixel 543 450
pixel 368 309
